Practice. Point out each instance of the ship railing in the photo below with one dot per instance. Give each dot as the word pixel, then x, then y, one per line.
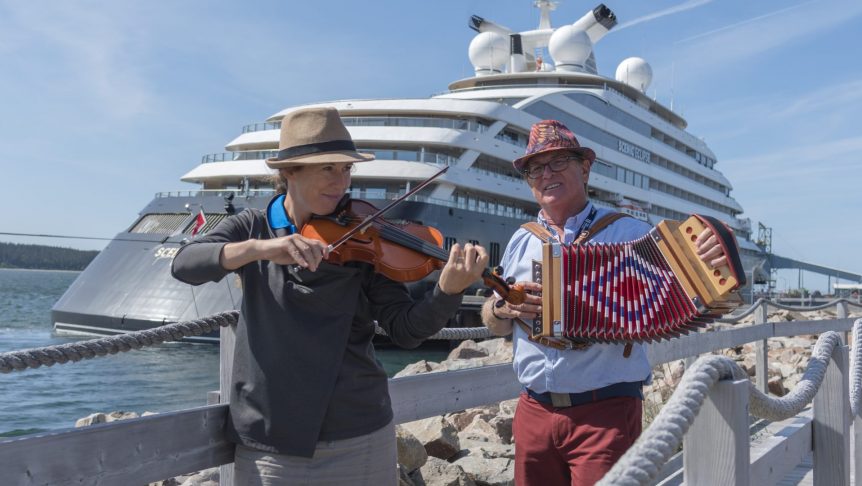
pixel 467 204
pixel 390 121
pixel 539 84
pixel 231 156
pixel 499 209
pixel 716 437
pixel 261 126
pixel 217 192
pixel 421 155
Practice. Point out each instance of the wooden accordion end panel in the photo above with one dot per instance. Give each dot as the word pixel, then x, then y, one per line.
pixel 653 288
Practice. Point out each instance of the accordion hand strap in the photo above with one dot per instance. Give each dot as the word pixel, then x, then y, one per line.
pixel 543 234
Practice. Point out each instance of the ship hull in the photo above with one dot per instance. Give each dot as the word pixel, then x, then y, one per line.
pixel 128 286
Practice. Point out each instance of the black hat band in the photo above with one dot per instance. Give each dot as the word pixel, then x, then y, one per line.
pixel 316 148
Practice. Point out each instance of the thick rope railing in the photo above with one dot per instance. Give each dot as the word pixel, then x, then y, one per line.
pixel 643 461
pixel 452 333
pixel 813 307
pixel 64 353
pixel 738 317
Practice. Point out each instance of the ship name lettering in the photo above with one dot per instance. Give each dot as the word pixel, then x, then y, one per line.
pixel 634 151
pixel 166 252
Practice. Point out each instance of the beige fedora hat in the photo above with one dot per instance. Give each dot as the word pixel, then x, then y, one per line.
pixel 314 136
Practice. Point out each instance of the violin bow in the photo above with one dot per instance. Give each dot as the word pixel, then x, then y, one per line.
pixel 371 217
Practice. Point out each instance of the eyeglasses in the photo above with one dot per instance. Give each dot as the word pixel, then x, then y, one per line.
pixel 556 165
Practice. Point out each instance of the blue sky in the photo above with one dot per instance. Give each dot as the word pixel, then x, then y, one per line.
pixel 106 103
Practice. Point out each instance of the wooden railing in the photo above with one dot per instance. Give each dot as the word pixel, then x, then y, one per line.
pixel 151 448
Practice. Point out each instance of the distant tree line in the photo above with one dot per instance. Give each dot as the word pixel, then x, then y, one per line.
pixel 13 255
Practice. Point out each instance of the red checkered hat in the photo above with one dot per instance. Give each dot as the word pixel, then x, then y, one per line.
pixel 550 135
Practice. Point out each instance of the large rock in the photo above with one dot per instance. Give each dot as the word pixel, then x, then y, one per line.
pixel 207 477
pixel 487 450
pixel 464 364
pixel 418 368
pixel 462 419
pixel 403 477
pixel 411 452
pixel 507 407
pixel 492 472
pixel 496 346
pixel 437 435
pixel 503 426
pixel 776 387
pixel 437 472
pixel 102 418
pixel 466 350
pixel 479 430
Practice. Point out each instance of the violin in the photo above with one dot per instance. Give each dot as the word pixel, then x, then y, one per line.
pixel 402 252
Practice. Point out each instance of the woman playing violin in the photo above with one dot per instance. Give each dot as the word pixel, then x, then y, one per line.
pixel 309 400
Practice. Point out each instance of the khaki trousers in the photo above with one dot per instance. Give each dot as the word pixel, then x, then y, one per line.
pixel 365 460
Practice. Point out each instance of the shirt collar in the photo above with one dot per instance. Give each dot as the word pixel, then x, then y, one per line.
pixel 277 216
pixel 572 225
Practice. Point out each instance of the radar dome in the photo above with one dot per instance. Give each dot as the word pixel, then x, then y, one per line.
pixel 635 72
pixel 489 52
pixel 570 47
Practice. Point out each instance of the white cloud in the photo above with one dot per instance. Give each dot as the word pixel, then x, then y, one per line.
pixel 92 53
pixel 688 5
pixel 719 49
pixel 800 163
pixel 836 97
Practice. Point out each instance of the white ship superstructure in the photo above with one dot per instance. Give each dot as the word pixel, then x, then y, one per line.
pixel 647 164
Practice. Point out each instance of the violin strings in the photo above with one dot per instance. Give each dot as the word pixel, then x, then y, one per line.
pixel 393 233
pixel 413 242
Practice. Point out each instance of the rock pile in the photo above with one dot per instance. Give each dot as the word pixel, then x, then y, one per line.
pixel 473 447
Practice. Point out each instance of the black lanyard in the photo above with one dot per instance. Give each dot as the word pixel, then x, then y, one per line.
pixel 584 226
pixel 587 222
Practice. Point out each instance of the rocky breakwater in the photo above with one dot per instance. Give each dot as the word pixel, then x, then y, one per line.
pixel 787 358
pixel 472 447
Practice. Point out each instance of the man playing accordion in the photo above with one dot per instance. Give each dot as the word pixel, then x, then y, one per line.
pixel 581 406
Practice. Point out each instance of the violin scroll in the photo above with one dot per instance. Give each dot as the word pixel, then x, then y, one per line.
pixel 513 294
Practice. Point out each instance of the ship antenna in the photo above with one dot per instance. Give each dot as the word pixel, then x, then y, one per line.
pixel 546 7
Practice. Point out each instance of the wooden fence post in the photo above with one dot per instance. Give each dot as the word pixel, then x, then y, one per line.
pixel 716 448
pixel 761 352
pixel 227 340
pixel 842 314
pixel 831 425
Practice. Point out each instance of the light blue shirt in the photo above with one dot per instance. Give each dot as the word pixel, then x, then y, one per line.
pixel 545 369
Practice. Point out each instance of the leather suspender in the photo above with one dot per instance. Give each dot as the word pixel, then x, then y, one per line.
pixel 543 234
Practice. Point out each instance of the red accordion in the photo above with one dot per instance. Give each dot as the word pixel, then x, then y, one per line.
pixel 649 289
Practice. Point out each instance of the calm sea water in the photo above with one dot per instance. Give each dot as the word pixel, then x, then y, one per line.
pixel 172 376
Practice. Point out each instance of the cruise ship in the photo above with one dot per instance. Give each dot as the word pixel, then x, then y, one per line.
pixel 647 165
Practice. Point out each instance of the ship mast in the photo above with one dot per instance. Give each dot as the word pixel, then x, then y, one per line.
pixel 546 7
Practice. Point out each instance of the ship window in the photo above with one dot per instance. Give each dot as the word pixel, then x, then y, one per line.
pixel 375 193
pixel 159 223
pixel 448 241
pixel 494 254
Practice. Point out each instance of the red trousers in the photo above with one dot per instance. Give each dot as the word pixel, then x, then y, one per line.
pixel 575 445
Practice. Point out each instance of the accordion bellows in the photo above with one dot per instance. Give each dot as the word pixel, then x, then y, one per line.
pixel 653 288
